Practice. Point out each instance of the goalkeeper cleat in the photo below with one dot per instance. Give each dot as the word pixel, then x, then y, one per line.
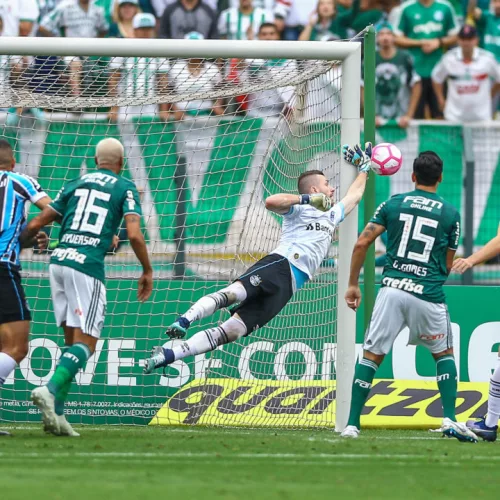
pixel 457 430
pixel 44 399
pixel 65 428
pixel 178 329
pixel 5 433
pixel 157 360
pixel 480 429
pixel 350 431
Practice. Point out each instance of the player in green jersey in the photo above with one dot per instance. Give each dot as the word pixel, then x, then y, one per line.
pixel 422 237
pixel 90 209
pixel 425 27
pixel 397 85
pixel 488 26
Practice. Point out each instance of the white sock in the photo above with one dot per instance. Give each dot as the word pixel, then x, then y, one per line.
pixel 210 339
pixel 7 364
pixel 494 398
pixel 210 303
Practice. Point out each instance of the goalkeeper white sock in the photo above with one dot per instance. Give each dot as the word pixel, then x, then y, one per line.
pixel 210 339
pixel 210 303
pixel 7 364
pixel 494 398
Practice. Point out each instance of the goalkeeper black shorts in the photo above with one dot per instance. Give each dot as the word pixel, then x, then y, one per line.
pixel 13 305
pixel 268 284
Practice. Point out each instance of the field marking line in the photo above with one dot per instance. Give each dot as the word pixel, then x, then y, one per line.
pixel 216 455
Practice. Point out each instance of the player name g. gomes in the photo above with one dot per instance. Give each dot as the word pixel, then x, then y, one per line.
pixel 392 403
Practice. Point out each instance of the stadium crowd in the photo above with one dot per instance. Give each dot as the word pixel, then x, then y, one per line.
pixel 435 59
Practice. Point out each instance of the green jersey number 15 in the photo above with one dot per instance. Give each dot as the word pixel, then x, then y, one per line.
pixel 416 235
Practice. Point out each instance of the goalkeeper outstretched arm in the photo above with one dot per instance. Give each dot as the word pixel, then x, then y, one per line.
pixel 281 203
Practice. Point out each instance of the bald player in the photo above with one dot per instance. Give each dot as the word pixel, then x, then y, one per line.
pixel 91 209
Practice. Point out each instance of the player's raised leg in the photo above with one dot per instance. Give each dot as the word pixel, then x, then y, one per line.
pixel 205 307
pixel 200 343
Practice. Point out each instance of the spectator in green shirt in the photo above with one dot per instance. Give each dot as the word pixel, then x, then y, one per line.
pixel 488 26
pixel 397 85
pixel 425 27
pixel 326 23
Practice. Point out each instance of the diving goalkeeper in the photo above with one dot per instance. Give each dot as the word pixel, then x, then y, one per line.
pixel 309 223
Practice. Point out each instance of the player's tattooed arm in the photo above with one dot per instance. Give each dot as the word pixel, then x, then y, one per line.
pixel 367 237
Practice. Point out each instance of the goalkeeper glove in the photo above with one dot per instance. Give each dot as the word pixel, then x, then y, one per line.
pixel 318 200
pixel 357 157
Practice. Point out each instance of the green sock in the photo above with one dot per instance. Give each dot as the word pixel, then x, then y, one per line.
pixel 60 396
pixel 69 364
pixel 446 371
pixel 363 378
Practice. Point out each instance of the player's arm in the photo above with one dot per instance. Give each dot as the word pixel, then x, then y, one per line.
pixel 30 233
pixel 283 202
pixel 354 193
pixel 362 161
pixel 138 244
pixel 490 250
pixel 371 232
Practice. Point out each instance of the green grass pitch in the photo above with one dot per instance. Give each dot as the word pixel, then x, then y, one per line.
pixel 207 463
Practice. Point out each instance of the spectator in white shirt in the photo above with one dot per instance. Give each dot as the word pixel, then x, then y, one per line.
pixel 139 78
pixel 470 73
pixel 292 16
pixel 243 22
pixel 195 76
pixel 75 18
pixel 270 102
pixel 18 16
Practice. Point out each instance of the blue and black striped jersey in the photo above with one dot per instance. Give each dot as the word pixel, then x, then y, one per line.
pixel 15 190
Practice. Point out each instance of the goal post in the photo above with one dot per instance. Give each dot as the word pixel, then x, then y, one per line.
pixel 203 172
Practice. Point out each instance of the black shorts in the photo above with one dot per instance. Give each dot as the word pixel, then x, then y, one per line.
pixel 13 305
pixel 268 284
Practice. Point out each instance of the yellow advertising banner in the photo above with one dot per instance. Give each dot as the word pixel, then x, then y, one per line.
pixel 262 403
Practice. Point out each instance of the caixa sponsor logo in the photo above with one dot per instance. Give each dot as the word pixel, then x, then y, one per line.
pixel 405 284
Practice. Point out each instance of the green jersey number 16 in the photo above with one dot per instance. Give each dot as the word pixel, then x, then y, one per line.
pixel 86 207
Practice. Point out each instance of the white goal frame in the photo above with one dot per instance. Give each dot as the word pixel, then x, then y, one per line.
pixel 349 53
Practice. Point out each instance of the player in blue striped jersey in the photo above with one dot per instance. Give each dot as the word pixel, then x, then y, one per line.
pixel 15 190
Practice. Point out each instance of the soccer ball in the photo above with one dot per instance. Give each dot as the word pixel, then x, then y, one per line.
pixel 386 159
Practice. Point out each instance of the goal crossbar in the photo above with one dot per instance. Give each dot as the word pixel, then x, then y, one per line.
pixel 132 47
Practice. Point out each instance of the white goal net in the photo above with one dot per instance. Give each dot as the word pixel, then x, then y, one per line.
pixel 206 140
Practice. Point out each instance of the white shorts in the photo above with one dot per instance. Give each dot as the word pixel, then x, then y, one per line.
pixel 79 300
pixel 429 323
